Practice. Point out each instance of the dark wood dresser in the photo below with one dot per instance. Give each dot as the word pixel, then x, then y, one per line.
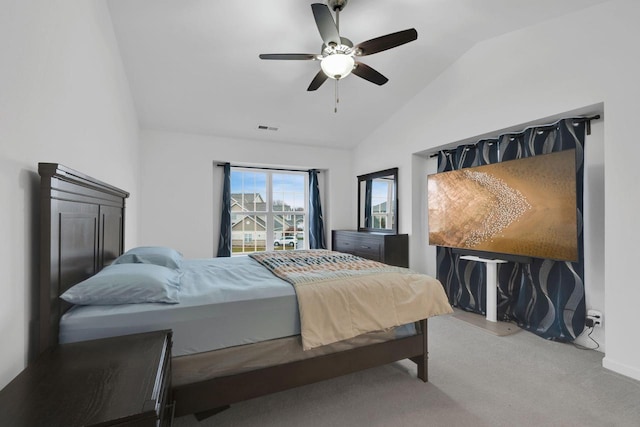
pixel 392 249
pixel 123 381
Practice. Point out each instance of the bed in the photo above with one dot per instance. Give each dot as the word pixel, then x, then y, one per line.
pixel 82 232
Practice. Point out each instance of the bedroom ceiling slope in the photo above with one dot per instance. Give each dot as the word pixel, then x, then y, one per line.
pixel 193 65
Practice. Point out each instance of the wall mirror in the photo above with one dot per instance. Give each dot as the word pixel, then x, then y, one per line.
pixel 378 201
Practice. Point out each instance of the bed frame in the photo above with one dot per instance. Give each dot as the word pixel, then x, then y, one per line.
pixel 82 230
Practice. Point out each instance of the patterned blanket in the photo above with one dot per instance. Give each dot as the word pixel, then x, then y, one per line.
pixel 299 267
pixel 341 296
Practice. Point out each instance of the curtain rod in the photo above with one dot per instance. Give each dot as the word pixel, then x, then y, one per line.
pixel 269 169
pixel 547 126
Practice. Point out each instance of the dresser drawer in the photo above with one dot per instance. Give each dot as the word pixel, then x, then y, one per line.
pixel 355 244
pixel 358 245
pixel 368 249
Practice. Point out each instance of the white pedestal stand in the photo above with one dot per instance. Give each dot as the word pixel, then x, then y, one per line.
pixel 492 284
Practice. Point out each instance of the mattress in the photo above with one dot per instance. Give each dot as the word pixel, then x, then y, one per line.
pixel 224 302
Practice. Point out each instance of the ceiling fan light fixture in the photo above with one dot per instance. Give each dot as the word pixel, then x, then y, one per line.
pixel 337 66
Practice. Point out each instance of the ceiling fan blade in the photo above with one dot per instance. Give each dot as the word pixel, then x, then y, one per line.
pixel 317 81
pixel 325 23
pixel 287 56
pixel 368 73
pixel 386 42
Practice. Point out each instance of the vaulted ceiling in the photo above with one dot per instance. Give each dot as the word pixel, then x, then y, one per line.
pixel 193 65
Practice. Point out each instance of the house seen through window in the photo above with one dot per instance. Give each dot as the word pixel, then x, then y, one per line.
pixel 268 210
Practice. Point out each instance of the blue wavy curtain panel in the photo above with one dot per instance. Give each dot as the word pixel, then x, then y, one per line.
pixel 316 220
pixel 224 244
pixel 545 297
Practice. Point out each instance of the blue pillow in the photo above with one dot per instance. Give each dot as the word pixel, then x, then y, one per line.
pixel 158 255
pixel 127 284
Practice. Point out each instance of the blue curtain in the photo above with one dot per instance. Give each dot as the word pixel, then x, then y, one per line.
pixel 463 280
pixel 545 297
pixel 224 244
pixel 316 220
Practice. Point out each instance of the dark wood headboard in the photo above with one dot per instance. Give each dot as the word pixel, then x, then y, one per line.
pixel 81 231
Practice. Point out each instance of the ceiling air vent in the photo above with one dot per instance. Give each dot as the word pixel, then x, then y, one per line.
pixel 263 127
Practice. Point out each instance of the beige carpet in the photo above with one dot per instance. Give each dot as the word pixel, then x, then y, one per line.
pixel 476 379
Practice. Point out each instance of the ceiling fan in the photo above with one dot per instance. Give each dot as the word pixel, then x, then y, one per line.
pixel 338 54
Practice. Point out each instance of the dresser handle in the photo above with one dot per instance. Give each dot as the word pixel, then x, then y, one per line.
pixel 365 247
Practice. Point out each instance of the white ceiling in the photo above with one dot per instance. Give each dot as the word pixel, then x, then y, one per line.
pixel 193 65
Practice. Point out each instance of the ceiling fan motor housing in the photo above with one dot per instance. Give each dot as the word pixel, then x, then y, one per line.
pixel 337 4
pixel 345 46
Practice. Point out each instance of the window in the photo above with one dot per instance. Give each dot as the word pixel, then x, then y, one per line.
pixel 268 210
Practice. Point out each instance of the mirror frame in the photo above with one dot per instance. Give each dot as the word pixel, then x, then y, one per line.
pixel 370 176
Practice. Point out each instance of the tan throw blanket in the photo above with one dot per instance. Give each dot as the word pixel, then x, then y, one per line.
pixel 341 296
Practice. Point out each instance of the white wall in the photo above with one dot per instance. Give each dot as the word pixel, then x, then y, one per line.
pixel 593 230
pixel 63 99
pixel 181 187
pixel 587 60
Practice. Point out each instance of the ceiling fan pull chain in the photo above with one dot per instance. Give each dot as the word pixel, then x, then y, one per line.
pixel 335 108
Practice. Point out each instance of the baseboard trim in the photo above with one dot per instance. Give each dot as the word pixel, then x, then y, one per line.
pixel 621 368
